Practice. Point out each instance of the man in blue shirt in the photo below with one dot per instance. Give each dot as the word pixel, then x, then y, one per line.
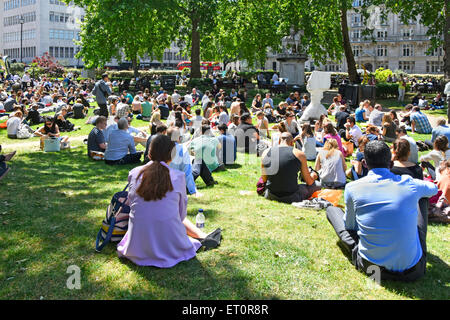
pixel 440 130
pixel 120 142
pixel 382 225
pixel 419 122
pixel 227 154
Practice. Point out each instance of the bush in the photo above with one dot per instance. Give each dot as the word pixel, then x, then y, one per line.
pixel 200 83
pixel 17 68
pixel 388 90
pixel 382 74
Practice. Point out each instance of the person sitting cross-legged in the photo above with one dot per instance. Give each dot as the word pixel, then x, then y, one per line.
pixel 382 227
pixel 120 142
pixel 159 233
pixel 96 144
pixel 280 167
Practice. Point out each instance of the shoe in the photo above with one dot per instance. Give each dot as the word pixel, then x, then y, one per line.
pixel 4 173
pixel 212 240
pixel 211 183
pixel 307 204
pixel 9 156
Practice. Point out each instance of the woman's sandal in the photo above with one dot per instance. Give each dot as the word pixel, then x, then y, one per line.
pixel 212 240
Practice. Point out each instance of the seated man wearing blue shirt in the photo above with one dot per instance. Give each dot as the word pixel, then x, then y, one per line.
pixel 382 225
pixel 120 142
pixel 227 154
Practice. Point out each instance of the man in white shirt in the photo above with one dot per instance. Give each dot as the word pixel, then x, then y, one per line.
pixel 175 97
pixel 188 99
pixel 275 77
pixel 13 124
pixel 352 131
pixel 376 116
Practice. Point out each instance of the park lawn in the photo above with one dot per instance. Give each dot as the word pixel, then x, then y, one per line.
pixel 53 204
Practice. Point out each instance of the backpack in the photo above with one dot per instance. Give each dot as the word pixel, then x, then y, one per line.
pixel 115 224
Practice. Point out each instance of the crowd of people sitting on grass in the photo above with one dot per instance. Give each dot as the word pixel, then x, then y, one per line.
pixel 387 184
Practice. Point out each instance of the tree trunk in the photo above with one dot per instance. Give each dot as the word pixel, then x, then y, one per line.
pixel 195 49
pixel 135 67
pixel 446 45
pixel 351 65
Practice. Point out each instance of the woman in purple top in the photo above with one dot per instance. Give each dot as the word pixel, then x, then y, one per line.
pixel 159 234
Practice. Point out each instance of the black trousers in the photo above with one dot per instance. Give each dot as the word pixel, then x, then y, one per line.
pixel 103 110
pixel 128 159
pixel 350 240
pixel 201 170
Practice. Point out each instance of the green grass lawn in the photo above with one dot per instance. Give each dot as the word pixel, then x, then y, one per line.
pixel 53 205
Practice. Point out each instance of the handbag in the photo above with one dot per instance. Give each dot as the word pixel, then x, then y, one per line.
pixel 52 144
pixel 115 224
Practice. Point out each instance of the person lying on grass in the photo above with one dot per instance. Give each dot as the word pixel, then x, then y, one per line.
pixel 159 234
pixel 383 228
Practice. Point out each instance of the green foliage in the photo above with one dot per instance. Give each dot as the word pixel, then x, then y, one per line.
pixel 388 90
pixel 200 83
pixel 382 74
pixel 17 68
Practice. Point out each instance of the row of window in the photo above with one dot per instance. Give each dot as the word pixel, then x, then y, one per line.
pixel 357 20
pixel 61 17
pixel 64 34
pixel 15 36
pixel 63 52
pixel 13 4
pixel 407 50
pixel 13 20
pixel 380 34
pixel 407 66
pixel 27 52
pixel 60 3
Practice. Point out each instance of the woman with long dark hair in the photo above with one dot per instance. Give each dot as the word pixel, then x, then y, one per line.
pixel 159 234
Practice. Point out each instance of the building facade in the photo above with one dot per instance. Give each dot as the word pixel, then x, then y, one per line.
pixel 53 26
pixel 47 26
pixel 396 45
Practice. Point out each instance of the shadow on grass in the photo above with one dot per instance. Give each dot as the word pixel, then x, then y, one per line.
pixel 53 202
pixel 426 287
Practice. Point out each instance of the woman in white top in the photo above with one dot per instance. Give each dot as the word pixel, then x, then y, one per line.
pixel 291 124
pixel 13 124
pixel 439 153
pixel 330 164
pixel 334 107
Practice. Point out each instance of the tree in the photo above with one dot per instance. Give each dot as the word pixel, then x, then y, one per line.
pixel 117 29
pixel 324 28
pixel 434 14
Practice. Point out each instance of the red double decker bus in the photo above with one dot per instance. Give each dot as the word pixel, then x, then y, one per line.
pixel 204 65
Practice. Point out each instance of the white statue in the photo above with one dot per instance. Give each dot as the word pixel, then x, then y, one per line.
pixel 318 83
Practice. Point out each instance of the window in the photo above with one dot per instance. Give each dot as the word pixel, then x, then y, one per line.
pixel 381 34
pixel 357 50
pixel 67 55
pixel 382 64
pixel 356 19
pixel 71 53
pixel 435 66
pixel 357 3
pixel 407 66
pixel 436 52
pixel 61 52
pixel 408 50
pixel 56 52
pixel 384 21
pixel 50 51
pixel 381 51
pixel 356 34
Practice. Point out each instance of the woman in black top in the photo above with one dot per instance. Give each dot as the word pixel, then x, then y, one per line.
pixel 402 166
pixel 51 130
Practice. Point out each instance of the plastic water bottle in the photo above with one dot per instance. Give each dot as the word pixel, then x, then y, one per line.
pixel 200 219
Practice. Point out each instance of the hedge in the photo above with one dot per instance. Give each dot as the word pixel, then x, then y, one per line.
pixel 388 90
pixel 129 74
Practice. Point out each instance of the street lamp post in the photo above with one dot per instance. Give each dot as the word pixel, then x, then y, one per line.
pixel 21 21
